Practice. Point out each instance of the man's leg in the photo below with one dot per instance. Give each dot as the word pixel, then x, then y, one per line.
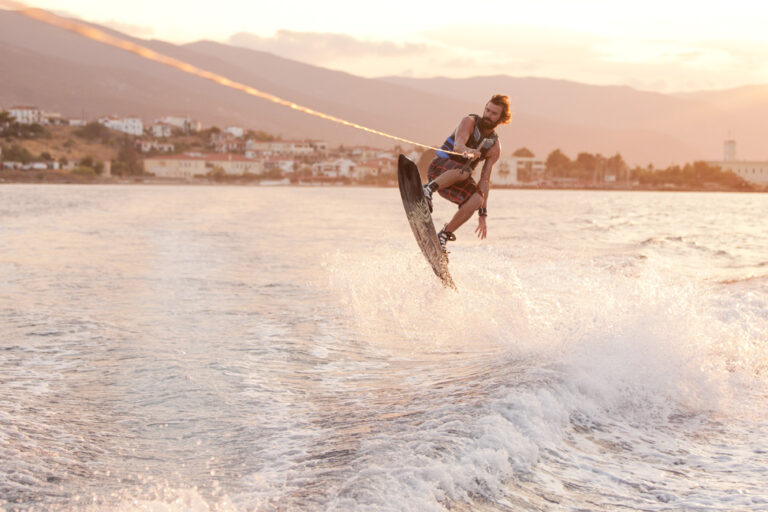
pixel 450 177
pixel 465 212
pixel 446 179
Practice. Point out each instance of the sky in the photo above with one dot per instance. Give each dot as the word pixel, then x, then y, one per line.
pixel 665 46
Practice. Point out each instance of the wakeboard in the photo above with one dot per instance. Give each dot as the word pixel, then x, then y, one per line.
pixel 417 212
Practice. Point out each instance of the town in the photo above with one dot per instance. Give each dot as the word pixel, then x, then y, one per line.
pixel 179 149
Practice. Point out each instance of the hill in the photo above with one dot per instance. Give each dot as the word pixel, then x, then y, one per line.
pixel 58 70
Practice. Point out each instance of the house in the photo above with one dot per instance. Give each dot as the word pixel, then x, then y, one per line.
pixel 196 164
pixel 54 119
pixel 319 146
pixel 284 165
pixel 145 146
pixel 235 131
pixel 176 166
pixel 375 168
pixel 339 168
pixel 130 125
pixel 283 147
pixel 32 166
pixel 510 170
pixel 185 124
pixel 161 130
pixel 361 153
pixel 34 115
pixel 27 115
pixel 226 145
pixel 235 165
pixel 77 122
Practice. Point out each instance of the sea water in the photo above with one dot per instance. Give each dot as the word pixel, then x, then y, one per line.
pixel 172 348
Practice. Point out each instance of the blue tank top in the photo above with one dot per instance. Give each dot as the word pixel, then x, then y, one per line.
pixel 475 138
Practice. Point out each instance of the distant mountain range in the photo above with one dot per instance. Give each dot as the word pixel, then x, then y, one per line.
pixel 58 70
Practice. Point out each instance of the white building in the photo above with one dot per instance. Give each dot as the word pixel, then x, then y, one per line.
pixel 375 168
pixel 753 171
pixel 145 146
pixel 235 165
pixel 361 153
pixel 161 130
pixel 284 165
pixel 284 147
pixel 235 131
pixel 508 170
pixel 53 118
pixel 319 145
pixel 196 164
pixel 27 115
pixel 129 125
pixel 176 166
pixel 339 168
pixel 185 124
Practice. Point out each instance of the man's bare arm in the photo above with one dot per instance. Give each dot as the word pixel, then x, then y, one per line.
pixel 485 176
pixel 463 132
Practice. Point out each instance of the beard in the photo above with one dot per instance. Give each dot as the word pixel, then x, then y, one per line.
pixel 487 124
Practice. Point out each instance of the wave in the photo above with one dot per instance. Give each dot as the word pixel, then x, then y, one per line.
pixel 595 387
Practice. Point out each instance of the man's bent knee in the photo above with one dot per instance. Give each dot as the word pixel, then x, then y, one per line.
pixel 474 202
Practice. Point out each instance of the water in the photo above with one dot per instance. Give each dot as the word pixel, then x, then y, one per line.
pixel 224 348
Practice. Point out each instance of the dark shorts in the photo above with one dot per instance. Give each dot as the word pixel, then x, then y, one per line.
pixel 460 191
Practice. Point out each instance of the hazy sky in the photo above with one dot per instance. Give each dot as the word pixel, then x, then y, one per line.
pixel 655 45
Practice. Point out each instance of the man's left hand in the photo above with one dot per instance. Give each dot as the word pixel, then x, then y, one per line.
pixel 482 228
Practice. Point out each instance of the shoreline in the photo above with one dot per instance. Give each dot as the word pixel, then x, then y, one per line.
pixel 68 179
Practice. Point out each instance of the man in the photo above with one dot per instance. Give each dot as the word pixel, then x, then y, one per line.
pixel 450 175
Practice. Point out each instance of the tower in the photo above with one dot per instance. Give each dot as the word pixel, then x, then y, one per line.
pixel 729 150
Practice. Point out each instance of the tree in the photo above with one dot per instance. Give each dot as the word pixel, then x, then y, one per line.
pixel 273 174
pixel 586 167
pixel 260 135
pixel 217 173
pixel 17 153
pixel 691 175
pixel 129 157
pixel 616 166
pixel 5 118
pixel 523 152
pixel 558 164
pixel 93 131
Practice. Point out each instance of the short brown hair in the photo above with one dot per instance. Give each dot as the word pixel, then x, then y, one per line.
pixel 502 101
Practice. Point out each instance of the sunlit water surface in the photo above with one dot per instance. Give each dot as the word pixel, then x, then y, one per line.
pixel 224 348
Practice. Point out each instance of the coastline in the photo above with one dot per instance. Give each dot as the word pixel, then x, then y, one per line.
pixel 64 178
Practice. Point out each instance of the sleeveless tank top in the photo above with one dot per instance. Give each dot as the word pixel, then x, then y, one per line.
pixel 475 138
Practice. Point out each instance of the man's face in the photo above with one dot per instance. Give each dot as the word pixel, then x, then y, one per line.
pixel 491 115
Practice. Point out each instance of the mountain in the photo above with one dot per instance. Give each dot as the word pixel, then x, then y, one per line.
pixel 59 70
pixel 747 116
pixel 62 71
pixel 643 126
